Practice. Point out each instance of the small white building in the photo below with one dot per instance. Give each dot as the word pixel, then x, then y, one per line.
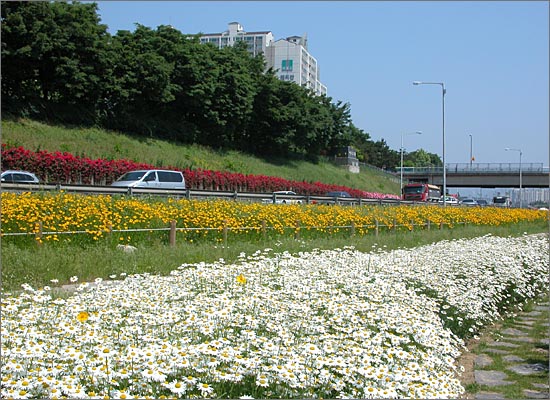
pixel 288 57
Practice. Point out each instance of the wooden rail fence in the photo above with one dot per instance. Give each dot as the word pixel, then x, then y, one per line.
pixel 39 233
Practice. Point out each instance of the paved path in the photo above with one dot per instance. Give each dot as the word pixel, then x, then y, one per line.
pixel 509 360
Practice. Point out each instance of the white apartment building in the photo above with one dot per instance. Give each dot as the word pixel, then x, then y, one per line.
pixel 292 62
pixel 288 57
pixel 257 42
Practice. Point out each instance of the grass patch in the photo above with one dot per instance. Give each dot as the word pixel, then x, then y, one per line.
pixel 534 352
pixel 37 265
pixel 99 143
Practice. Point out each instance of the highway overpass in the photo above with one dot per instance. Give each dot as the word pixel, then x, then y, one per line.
pixel 482 175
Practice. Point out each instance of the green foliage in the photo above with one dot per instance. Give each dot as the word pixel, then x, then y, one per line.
pixel 37 265
pixel 99 143
pixel 60 64
pixel 52 59
pixel 421 158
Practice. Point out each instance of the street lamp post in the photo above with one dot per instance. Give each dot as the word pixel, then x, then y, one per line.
pixel 443 91
pixel 471 155
pixel 520 187
pixel 403 134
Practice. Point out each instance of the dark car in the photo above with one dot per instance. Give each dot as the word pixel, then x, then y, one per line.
pixel 11 176
pixel 482 202
pixel 338 194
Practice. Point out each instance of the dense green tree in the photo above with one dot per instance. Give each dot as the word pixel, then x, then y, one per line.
pixel 229 107
pixel 380 155
pixel 140 85
pixel 52 58
pixel 421 158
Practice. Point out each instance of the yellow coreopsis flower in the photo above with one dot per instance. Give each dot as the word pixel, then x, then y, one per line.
pixel 83 316
pixel 241 279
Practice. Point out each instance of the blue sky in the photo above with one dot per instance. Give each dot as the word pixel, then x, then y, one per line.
pixel 492 56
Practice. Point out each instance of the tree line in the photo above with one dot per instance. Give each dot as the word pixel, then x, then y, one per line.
pixel 60 64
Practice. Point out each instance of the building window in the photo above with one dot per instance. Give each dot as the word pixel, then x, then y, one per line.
pixel 286 65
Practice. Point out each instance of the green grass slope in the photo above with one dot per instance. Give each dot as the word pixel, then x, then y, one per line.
pixel 99 143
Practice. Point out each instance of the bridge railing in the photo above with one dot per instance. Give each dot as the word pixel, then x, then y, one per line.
pixel 478 168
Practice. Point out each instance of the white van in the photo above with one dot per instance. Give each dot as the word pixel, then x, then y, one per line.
pixel 152 178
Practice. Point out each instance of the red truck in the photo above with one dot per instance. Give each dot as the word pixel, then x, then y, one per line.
pixel 421 192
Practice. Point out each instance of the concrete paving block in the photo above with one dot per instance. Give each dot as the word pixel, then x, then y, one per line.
pixel 491 378
pixel 483 360
pixel 495 351
pixel 513 332
pixel 534 313
pixel 528 369
pixel 523 339
pixel 541 386
pixel 536 394
pixel 503 344
pixel 512 359
pixel 527 321
pixel 489 396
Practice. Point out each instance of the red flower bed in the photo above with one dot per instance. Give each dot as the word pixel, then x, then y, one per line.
pixel 66 168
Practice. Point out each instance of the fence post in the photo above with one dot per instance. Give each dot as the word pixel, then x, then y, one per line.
pixel 394 225
pixel 38 235
pixel 375 227
pixel 352 229
pixel 225 232
pixel 412 225
pixel 428 225
pixel 297 230
pixel 440 225
pixel 172 233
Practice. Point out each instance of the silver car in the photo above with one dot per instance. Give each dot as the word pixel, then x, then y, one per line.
pixel 152 179
pixel 469 202
pixel 13 176
pixel 275 199
pixel 453 201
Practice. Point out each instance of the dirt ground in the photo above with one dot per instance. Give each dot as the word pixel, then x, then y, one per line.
pixel 466 360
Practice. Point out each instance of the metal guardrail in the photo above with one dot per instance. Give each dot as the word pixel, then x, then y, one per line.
pixel 198 194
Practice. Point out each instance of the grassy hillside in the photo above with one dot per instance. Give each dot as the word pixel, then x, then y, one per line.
pixel 99 143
